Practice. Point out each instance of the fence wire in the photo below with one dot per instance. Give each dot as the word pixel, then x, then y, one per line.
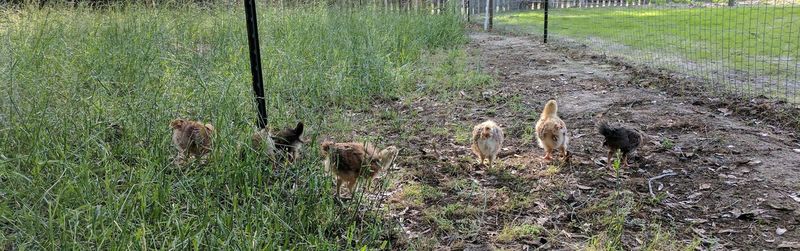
pixel 750 48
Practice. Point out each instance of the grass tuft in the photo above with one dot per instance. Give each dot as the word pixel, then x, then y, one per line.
pixel 517 232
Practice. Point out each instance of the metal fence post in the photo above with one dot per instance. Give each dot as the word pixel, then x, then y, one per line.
pixel 491 14
pixel 546 8
pixel 255 61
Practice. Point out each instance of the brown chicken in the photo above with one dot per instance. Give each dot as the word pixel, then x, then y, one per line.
pixel 192 138
pixel 348 161
pixel 619 138
pixel 487 140
pixel 551 131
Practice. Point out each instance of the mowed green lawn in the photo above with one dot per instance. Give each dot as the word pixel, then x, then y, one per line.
pixel 86 97
pixel 763 40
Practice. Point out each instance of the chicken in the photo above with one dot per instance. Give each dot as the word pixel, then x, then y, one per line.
pixel 551 131
pixel 263 143
pixel 190 137
pixel 348 161
pixel 487 139
pixel 288 142
pixel 619 138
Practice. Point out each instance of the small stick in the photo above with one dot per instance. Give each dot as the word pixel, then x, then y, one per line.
pixel 650 181
pixel 436 150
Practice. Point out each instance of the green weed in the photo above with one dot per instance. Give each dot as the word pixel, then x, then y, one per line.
pixel 515 232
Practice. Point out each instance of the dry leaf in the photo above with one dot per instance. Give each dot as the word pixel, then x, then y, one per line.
pixel 696 221
pixel 779 207
pixel 542 220
pixel 789 244
pixel 795 197
pixel 746 215
pixel 600 162
pixel 754 162
pixel 725 112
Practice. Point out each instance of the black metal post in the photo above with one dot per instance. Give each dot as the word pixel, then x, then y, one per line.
pixel 255 61
pixel 546 4
pixel 491 13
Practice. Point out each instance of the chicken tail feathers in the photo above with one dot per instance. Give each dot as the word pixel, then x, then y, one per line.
pixel 605 129
pixel 298 130
pixel 550 109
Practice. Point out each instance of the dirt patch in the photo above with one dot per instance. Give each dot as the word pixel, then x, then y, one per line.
pixel 776 112
pixel 735 177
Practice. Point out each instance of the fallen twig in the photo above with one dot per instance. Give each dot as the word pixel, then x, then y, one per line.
pixel 650 181
pixel 436 150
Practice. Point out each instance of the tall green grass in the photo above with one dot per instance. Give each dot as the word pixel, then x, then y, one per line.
pixel 70 180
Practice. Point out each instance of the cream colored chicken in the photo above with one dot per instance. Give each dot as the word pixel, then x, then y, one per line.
pixel 487 139
pixel 551 131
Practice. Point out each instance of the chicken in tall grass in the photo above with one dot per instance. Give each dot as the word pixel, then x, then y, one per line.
pixel 348 161
pixel 192 138
pixel 288 142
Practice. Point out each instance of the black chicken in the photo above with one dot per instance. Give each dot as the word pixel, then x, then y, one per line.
pixel 288 141
pixel 619 138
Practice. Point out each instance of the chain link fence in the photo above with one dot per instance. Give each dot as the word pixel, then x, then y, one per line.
pixel 751 48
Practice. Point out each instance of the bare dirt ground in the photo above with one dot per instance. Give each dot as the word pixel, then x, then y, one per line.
pixel 735 184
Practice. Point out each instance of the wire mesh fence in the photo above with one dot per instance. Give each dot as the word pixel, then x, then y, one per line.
pixel 749 48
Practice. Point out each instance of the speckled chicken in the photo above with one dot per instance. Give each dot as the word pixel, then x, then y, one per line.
pixel 191 138
pixel 348 161
pixel 487 140
pixel 551 131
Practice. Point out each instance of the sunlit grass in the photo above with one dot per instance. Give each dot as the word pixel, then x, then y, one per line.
pixel 70 180
pixel 760 41
pixel 738 30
